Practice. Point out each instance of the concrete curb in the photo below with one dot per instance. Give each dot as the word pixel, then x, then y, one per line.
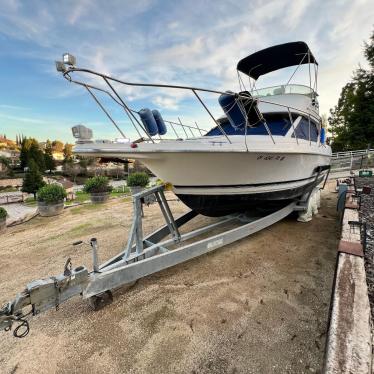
pixel 349 339
pixel 24 219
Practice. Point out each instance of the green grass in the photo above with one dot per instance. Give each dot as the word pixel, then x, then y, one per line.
pixel 81 196
pixel 86 207
pixel 8 189
pixel 80 228
pixel 117 194
pixel 121 190
pixel 29 201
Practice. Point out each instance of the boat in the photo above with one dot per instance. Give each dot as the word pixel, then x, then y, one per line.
pixel 267 148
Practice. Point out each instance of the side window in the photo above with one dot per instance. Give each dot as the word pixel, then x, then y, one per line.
pixel 302 130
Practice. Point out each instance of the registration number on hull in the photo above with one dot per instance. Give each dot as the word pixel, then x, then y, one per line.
pixel 272 157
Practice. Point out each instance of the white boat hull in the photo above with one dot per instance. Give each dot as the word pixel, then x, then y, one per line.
pixel 220 181
pixel 227 183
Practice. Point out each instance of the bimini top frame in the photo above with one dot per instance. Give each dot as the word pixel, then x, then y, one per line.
pixel 68 67
pixel 278 57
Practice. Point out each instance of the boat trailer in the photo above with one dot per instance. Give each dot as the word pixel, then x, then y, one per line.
pixel 141 256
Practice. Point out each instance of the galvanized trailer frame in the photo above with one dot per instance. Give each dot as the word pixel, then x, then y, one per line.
pixel 142 256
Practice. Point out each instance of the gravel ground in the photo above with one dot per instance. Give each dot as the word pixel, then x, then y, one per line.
pixel 259 305
pixel 367 215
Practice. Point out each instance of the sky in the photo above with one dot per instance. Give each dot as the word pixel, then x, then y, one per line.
pixel 195 43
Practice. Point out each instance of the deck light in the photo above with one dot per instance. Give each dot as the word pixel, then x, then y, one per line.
pixel 82 132
pixel 60 66
pixel 69 59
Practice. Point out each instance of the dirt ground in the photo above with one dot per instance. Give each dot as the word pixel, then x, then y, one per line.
pixel 257 306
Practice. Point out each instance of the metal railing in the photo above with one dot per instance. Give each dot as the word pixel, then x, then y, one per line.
pixel 352 153
pixel 284 89
pixel 187 129
pixel 352 160
pixel 12 197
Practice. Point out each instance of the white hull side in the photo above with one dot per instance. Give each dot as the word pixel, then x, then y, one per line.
pixel 215 178
pixel 211 166
pixel 234 173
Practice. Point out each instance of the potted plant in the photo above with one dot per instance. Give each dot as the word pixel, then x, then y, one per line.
pixel 3 215
pixel 51 200
pixel 137 182
pixel 99 189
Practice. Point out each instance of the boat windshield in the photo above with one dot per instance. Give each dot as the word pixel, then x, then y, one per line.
pixel 284 90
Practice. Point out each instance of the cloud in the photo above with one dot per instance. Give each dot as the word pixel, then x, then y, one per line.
pixel 13 107
pixel 166 102
pixel 195 44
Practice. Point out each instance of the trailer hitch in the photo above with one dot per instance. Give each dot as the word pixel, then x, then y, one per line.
pixel 41 295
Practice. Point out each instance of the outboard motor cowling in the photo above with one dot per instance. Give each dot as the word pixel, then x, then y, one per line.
pixel 149 121
pixel 160 122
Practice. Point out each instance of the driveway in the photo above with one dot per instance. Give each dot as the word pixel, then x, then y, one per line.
pixel 18 211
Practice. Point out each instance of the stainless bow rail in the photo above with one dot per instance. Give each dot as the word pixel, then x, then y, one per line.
pixel 142 256
pixel 68 69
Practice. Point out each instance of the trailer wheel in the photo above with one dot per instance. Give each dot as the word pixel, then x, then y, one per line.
pixel 97 302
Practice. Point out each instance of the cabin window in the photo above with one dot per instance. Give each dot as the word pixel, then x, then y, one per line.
pixel 302 130
pixel 277 126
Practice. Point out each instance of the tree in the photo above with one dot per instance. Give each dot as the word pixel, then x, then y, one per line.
pixel 352 119
pixel 30 150
pixel 6 165
pixel 68 152
pixel 24 154
pixel 57 146
pixel 71 169
pixel 48 157
pixel 33 180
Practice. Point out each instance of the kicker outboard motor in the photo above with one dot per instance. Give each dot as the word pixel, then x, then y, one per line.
pixel 240 109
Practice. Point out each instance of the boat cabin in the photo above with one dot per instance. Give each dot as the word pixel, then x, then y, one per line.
pixel 273 109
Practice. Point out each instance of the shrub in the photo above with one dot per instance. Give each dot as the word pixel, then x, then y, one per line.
pixel 51 193
pixel 97 184
pixel 138 179
pixel 3 213
pixel 167 185
pixel 33 180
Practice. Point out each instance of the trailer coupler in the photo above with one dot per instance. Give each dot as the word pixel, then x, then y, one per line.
pixel 41 295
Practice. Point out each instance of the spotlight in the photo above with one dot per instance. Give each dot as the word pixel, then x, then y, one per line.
pixel 60 66
pixel 69 59
pixel 82 133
